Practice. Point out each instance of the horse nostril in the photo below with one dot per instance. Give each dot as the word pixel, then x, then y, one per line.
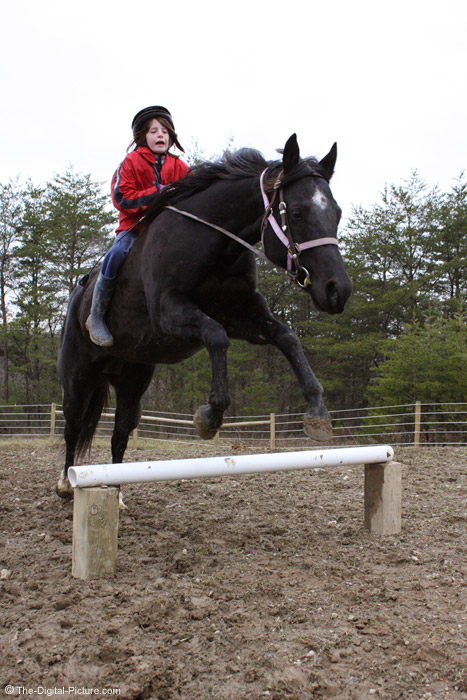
pixel 336 297
pixel 332 293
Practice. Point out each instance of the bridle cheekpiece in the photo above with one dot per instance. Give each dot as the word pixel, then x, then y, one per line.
pixel 284 233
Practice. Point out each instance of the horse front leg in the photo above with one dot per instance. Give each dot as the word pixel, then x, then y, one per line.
pixel 316 421
pixel 184 320
pixel 259 326
pixel 208 418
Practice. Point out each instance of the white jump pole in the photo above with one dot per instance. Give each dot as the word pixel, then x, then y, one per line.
pixel 95 514
pixel 174 469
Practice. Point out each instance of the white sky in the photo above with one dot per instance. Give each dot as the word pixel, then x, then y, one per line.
pixel 386 80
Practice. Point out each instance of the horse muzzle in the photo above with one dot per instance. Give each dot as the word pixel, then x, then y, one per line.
pixel 332 296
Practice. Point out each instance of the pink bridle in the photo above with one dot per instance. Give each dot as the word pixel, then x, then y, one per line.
pixel 284 234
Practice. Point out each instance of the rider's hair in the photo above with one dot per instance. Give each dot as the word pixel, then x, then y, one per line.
pixel 139 138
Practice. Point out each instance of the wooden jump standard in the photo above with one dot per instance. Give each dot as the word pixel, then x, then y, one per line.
pixel 95 514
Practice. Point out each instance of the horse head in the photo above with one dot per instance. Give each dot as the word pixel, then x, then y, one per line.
pixel 305 242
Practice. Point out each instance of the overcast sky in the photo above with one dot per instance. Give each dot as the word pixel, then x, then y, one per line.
pixel 386 80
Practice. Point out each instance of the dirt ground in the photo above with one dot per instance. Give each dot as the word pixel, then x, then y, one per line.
pixel 250 588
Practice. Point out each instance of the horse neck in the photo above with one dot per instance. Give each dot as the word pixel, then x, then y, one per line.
pixel 236 205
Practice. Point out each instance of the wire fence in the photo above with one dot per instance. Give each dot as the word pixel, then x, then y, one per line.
pixel 417 424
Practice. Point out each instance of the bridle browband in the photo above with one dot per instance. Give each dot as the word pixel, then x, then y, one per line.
pixel 282 232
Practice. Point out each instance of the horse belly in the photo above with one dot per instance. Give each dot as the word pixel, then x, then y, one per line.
pixel 170 354
pixel 152 350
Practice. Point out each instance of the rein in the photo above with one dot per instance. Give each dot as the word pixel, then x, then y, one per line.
pixel 282 232
pixel 225 232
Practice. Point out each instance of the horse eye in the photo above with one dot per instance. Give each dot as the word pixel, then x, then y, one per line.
pixel 297 214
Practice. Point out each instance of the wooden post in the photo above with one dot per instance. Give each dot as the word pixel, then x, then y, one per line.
pixel 52 423
pixel 383 498
pixel 95 528
pixel 135 438
pixel 273 431
pixel 418 420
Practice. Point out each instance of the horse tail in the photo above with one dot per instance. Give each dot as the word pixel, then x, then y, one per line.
pixel 91 417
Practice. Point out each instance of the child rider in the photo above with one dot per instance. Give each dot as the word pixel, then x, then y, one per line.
pixel 138 179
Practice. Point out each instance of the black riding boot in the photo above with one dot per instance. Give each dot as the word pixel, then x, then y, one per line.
pixel 98 331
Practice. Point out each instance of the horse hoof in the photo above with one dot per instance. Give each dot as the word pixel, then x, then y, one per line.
pixel 203 424
pixel 318 429
pixel 121 503
pixel 64 489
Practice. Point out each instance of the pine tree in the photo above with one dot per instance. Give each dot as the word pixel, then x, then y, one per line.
pixel 426 363
pixel 10 217
pixel 78 226
pixel 36 322
pixel 450 249
pixel 62 231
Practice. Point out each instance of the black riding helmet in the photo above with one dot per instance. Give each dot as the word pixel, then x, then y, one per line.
pixel 150 113
pixel 154 112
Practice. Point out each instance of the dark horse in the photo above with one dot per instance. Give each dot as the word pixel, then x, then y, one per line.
pixel 186 286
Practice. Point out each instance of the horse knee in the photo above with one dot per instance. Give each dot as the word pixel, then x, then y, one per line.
pixel 215 337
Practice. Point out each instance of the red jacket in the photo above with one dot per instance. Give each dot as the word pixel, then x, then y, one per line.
pixel 136 181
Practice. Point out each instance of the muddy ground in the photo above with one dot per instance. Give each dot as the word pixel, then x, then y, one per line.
pixel 257 587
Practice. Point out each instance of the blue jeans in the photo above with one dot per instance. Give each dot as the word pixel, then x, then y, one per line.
pixel 116 256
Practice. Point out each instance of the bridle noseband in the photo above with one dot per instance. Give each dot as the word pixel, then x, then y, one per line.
pixel 284 233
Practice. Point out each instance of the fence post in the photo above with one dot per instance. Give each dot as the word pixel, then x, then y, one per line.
pixel 135 438
pixel 383 498
pixel 273 430
pixel 95 528
pixel 418 420
pixel 52 423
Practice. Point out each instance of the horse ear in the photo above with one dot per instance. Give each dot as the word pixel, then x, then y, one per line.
pixel 328 162
pixel 291 153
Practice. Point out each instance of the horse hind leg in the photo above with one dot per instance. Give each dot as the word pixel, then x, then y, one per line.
pixel 130 386
pixel 82 407
pixel 63 487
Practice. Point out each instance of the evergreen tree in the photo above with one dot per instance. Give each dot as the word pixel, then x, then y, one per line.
pixel 388 254
pixel 10 217
pixel 37 320
pixel 78 226
pixel 450 248
pixel 61 231
pixel 426 363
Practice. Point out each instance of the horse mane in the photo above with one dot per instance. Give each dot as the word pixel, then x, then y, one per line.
pixel 236 165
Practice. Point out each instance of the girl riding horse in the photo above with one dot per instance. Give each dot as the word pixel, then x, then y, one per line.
pixel 137 180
